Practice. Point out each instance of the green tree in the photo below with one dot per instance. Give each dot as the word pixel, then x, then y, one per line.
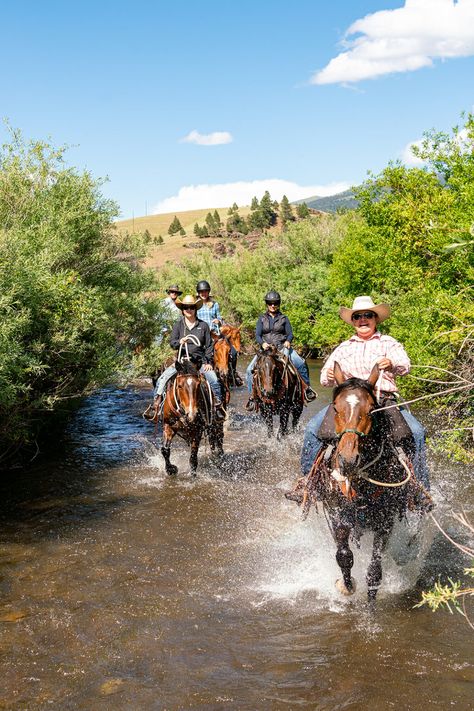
pixel 73 305
pixel 286 211
pixel 302 211
pixel 175 226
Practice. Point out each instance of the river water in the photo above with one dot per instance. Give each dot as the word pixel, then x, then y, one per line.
pixel 123 588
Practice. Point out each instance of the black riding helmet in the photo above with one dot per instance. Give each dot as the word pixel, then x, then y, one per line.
pixel 203 286
pixel 272 296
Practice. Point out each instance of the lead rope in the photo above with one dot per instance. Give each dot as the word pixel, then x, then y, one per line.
pixel 386 484
pixel 192 339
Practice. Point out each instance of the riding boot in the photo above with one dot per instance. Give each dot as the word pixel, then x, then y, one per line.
pixel 309 394
pixel 151 413
pixel 250 406
pixel 220 412
pixel 237 379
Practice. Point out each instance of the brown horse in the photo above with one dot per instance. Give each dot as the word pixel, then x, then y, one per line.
pixel 222 350
pixel 276 390
pixel 188 411
pixel 362 479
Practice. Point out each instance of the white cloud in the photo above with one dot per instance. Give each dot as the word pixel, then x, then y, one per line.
pixel 218 138
pixel 195 197
pixel 402 40
pixel 408 158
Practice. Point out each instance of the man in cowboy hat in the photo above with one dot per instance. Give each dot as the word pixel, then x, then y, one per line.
pixel 201 351
pixel 356 357
pixel 169 304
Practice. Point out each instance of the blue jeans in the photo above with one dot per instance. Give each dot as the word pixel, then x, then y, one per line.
pixel 210 376
pixel 296 359
pixel 312 444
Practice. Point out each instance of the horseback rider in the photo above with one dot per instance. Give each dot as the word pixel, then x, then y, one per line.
pixel 274 329
pixel 201 352
pixel 356 357
pixel 170 311
pixel 210 313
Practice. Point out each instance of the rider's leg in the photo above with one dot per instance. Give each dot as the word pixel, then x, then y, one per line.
pixel 249 373
pixel 163 379
pixel 302 368
pixel 419 463
pixel 311 443
pixel 213 381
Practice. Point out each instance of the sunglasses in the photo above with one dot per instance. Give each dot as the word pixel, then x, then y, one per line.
pixel 366 314
pixel 173 292
pixel 189 308
pixel 273 303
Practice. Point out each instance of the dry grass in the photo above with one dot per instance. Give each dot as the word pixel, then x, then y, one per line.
pixel 173 249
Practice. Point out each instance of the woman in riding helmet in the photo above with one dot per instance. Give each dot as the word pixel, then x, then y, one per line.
pixel 274 329
pixel 210 313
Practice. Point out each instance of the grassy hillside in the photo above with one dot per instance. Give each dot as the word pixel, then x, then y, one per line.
pixel 173 248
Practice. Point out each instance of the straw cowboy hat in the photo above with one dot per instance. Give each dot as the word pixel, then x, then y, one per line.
pixel 174 287
pixel 188 301
pixel 364 303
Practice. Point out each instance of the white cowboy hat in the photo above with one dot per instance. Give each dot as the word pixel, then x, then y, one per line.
pixel 188 301
pixel 364 303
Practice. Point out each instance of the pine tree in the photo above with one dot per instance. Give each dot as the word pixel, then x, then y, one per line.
pixel 217 220
pixel 254 204
pixel 302 211
pixel 182 232
pixel 286 212
pixel 197 230
pixel 175 226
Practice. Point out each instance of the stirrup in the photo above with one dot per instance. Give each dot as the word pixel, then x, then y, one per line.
pixel 250 405
pixel 309 394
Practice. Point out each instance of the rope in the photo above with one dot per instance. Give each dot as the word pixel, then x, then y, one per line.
pixel 424 397
pixel 192 339
pixel 393 485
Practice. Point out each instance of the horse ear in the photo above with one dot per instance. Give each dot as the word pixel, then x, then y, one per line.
pixel 179 366
pixel 374 375
pixel 338 374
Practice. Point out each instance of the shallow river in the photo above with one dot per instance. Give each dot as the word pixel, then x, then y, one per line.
pixel 122 588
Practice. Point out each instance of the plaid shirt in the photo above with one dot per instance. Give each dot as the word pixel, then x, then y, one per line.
pixel 206 314
pixel 357 358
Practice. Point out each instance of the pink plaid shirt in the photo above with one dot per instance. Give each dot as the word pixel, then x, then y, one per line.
pixel 357 358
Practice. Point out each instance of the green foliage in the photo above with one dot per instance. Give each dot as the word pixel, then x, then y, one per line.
pixel 72 308
pixel 286 212
pixel 175 226
pixel 262 214
pixel 302 211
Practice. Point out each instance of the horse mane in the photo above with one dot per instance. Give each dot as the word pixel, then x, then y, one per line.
pixel 187 367
pixel 354 383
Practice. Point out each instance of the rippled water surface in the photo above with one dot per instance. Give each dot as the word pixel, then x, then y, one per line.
pixel 122 588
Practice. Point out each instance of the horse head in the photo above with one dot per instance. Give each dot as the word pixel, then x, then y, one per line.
pixel 233 334
pixel 186 390
pixel 221 355
pixel 268 370
pixel 353 402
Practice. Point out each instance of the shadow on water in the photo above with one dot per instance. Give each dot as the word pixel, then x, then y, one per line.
pixel 124 588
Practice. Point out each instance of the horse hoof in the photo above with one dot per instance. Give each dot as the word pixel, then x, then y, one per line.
pixel 173 469
pixel 341 586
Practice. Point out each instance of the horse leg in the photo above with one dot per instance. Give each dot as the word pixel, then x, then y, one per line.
pixel 284 417
pixel 345 561
pixel 193 458
pixel 216 438
pixel 374 571
pixel 296 411
pixel 268 419
pixel 168 435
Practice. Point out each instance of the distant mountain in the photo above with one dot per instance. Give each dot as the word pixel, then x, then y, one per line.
pixel 331 203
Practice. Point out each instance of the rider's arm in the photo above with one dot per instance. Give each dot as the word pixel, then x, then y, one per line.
pixel 326 380
pixel 259 331
pixel 288 330
pixel 176 335
pixel 399 357
pixel 217 312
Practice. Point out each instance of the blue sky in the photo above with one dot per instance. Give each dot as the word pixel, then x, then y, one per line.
pixel 200 104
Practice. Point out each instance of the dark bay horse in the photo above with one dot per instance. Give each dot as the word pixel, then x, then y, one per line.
pixel 362 479
pixel 276 390
pixel 188 411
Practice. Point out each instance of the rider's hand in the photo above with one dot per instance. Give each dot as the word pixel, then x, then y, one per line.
pixel 330 373
pixel 182 340
pixel 265 346
pixel 206 367
pixel 215 320
pixel 384 363
pixel 287 344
